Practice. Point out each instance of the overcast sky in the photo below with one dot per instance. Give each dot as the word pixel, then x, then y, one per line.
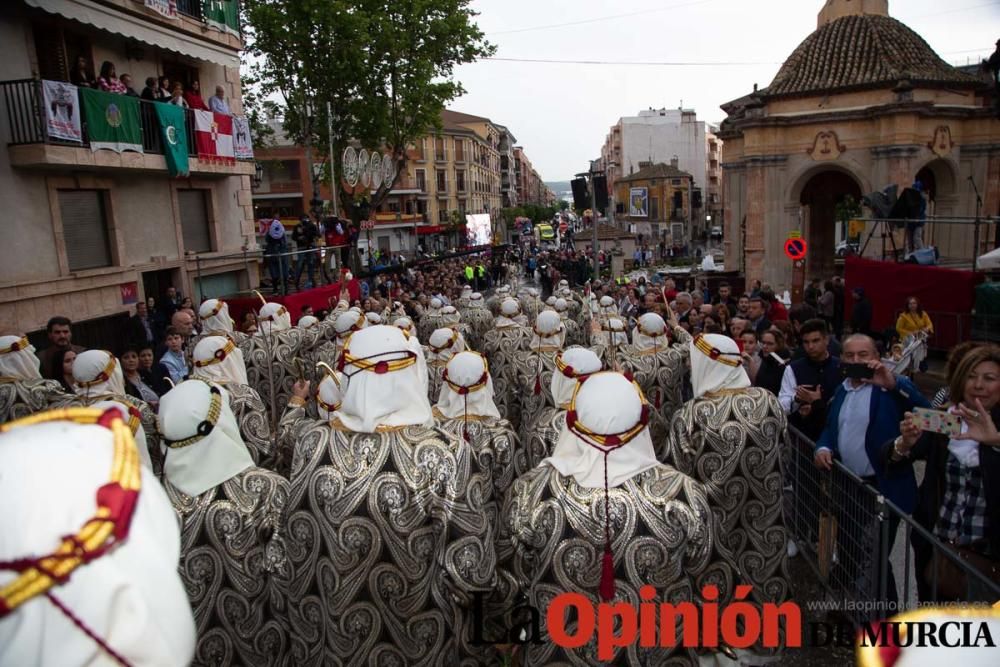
pixel 561 113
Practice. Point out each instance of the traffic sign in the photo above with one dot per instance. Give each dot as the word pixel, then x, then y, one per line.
pixel 795 234
pixel 795 249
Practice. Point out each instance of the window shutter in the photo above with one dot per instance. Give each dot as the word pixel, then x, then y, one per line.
pixel 52 61
pixel 194 220
pixel 84 229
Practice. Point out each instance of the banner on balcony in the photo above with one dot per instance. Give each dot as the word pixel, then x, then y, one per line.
pixel 112 121
pixel 166 8
pixel 174 137
pixel 213 135
pixel 223 15
pixel 242 145
pixel 62 111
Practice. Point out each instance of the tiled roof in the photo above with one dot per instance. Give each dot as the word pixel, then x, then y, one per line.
pixel 867 51
pixel 660 170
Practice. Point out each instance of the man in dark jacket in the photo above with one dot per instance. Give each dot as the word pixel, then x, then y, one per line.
pixel 861 314
pixel 140 331
pixel 809 383
pixel 305 235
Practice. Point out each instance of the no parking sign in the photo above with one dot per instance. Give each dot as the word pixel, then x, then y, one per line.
pixel 795 249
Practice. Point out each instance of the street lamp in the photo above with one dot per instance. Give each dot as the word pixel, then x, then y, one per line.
pixel 258 175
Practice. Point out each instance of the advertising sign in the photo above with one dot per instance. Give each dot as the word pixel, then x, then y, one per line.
pixel 638 202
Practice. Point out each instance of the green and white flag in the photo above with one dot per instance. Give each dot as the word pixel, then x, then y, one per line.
pixel 173 134
pixel 112 121
pixel 222 15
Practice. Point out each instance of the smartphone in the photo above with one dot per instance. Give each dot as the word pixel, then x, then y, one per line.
pixel 856 371
pixel 938 421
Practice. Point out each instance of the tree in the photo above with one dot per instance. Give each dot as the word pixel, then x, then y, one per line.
pixel 385 71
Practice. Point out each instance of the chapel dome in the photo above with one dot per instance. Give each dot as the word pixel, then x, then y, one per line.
pixel 863 51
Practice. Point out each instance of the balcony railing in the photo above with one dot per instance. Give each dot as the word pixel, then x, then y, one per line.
pixel 190 8
pixel 26 122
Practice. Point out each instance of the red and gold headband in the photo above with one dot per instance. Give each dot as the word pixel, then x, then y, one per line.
pixel 439 349
pixel 108 527
pixel 715 354
pixel 218 356
pixel 380 367
pixel 103 376
pixel 215 311
pixel 270 318
pixel 606 442
pixel 462 390
pixel 18 345
pixel 358 325
pixel 567 370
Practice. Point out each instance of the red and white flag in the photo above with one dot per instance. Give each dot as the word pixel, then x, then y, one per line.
pixel 214 137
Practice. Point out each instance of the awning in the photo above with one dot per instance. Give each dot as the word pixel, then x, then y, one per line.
pixel 148 32
pixel 279 195
pixel 990 261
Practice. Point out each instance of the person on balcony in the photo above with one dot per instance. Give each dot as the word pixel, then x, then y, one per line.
pixel 81 74
pixel 177 96
pixel 151 92
pixel 193 97
pixel 217 102
pixel 163 94
pixel 126 80
pixel 108 81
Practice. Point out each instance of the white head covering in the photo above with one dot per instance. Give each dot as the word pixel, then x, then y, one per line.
pixel 218 359
pixel 571 365
pixel 650 333
pixel 444 344
pixel 349 322
pixel 134 421
pixel 131 597
pixel 329 394
pixel 607 306
pixel 563 283
pixel 307 322
pixel 615 329
pixel 17 359
pixel 273 317
pixel 467 371
pixel 214 316
pixel 551 301
pixel 406 324
pixel 434 306
pixel 724 371
pixel 466 291
pixel 503 290
pixel 195 462
pixel 561 307
pixel 373 318
pixel 373 398
pixel 549 330
pixel 97 373
pixel 606 403
pixel 476 300
pixel 509 309
pixel 450 316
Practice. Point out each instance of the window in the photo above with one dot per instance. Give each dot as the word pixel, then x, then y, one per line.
pixel 439 149
pixel 421 180
pixel 57 48
pixel 85 229
pixel 463 206
pixel 442 181
pixel 422 207
pixel 442 210
pixel 418 148
pixel 460 179
pixel 284 171
pixel 459 150
pixel 654 208
pixel 394 207
pixel 194 220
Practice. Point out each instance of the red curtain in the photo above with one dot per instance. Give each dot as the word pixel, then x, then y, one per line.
pixel 948 295
pixel 318 298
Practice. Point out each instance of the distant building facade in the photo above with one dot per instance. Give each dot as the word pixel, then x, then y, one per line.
pixel 656 203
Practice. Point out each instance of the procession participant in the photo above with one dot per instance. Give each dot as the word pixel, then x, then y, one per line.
pixel 232 517
pixel 451 318
pixel 97 376
pixel 500 346
pixel 270 356
pixel 442 345
pixel 218 360
pixel 609 341
pixel 603 518
pixel 493 303
pixel 463 300
pixel 534 367
pixel 431 319
pixel 215 321
pixel 373 318
pixel 418 494
pixel 479 320
pixel 22 389
pixel 728 429
pixel 574 334
pixel 407 325
pixel 465 408
pixel 530 303
pixel 573 365
pixel 89 590
pixel 659 363
pixel 308 322
pixel 133 420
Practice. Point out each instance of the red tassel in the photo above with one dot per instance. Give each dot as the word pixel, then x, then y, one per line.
pixel 607 586
pixel 657 399
pixel 538 385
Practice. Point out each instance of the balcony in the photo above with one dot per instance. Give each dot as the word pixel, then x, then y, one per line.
pixel 30 146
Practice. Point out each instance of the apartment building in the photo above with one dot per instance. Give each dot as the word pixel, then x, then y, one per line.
pixel 89 231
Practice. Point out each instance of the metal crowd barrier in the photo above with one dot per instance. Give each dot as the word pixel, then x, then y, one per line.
pixel 851 535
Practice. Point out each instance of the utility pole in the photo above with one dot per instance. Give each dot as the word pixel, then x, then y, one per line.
pixel 593 213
